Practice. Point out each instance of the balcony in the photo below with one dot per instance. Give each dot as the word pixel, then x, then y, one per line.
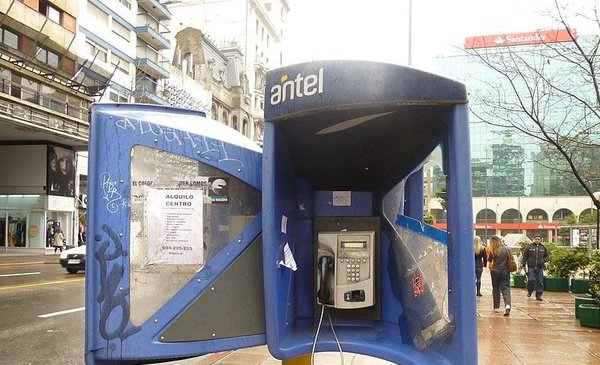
pixel 150 62
pixel 156 9
pixel 151 31
pixel 148 91
pixel 55 35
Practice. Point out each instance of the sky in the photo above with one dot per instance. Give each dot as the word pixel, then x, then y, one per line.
pixel 377 30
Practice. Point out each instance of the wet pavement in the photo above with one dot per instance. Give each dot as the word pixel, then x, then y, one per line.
pixel 535 333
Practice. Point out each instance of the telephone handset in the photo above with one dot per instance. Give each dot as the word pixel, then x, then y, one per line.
pixel 346 269
pixel 325 267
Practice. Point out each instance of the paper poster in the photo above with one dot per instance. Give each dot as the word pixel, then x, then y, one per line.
pixel 342 198
pixel 173 222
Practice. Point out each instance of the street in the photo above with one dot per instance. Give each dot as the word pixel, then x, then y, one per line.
pixel 41 314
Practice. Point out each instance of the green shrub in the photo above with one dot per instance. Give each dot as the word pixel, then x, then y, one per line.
pixel 595 275
pixel 563 262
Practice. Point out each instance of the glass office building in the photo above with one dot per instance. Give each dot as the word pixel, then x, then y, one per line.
pixel 505 161
pixel 520 183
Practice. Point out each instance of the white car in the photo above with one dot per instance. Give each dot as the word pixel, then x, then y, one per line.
pixel 73 259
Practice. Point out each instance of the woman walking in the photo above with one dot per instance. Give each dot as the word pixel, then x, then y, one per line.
pixel 480 262
pixel 58 240
pixel 500 275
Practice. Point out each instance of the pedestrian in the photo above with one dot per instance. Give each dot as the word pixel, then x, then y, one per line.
pixel 58 240
pixel 480 263
pixel 535 256
pixel 500 274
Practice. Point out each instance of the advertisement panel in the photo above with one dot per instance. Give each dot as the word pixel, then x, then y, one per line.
pixel 520 39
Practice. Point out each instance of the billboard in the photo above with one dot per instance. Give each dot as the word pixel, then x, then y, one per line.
pixel 61 171
pixel 520 39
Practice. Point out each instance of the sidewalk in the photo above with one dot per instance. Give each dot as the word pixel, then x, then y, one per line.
pixel 536 333
pixel 16 259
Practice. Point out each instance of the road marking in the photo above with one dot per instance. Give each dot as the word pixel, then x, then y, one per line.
pixel 61 312
pixel 20 274
pixel 40 284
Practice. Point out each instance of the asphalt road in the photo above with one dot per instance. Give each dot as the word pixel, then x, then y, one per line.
pixel 41 315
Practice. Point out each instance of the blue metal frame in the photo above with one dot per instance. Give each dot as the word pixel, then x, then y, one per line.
pixel 116 128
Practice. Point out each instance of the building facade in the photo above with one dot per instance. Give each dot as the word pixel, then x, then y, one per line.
pixel 248 35
pixel 516 184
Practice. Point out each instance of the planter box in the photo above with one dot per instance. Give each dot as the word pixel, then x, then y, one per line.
pixel 579 285
pixel 589 315
pixel 518 281
pixel 587 299
pixel 556 284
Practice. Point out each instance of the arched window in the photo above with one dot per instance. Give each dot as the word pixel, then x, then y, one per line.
pixel 511 216
pixel 234 123
pixel 224 118
pixel 561 214
pixel 186 64
pixel 485 216
pixel 537 215
pixel 245 127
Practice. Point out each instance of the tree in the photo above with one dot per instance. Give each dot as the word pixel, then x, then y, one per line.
pixel 550 92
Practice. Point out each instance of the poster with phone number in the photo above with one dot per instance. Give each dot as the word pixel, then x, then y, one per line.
pixel 174 227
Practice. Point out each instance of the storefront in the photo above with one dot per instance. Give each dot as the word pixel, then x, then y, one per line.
pixel 28 221
pixel 37 196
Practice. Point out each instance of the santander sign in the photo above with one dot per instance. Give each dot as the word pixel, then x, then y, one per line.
pixel 519 39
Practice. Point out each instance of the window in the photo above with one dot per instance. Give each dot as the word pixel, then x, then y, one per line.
pixel 29 91
pixel 125 3
pixel 223 218
pixel 97 15
pixel 119 62
pixel 47 57
pixel 5 75
pixel 10 38
pixel 120 30
pixel 50 11
pixel 94 49
pixel 15 86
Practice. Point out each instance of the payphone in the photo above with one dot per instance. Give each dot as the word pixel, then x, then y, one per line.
pixel 346 269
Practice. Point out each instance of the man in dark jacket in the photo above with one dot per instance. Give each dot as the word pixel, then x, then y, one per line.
pixel 535 256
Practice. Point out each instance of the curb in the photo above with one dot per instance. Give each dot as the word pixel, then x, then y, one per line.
pixel 16 263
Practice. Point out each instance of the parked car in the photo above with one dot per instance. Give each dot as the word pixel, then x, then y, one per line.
pixel 73 259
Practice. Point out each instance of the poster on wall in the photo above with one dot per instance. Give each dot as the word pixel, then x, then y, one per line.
pixel 61 171
pixel 173 222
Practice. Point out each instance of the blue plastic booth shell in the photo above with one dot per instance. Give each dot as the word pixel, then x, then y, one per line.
pixel 115 129
pixel 293 191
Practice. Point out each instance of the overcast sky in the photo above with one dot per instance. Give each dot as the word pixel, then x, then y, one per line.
pixel 378 29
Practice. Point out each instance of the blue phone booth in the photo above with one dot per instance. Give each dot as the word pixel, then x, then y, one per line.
pixel 174 252
pixel 347 260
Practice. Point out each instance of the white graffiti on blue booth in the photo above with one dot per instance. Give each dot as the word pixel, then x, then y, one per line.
pixel 113 198
pixel 209 148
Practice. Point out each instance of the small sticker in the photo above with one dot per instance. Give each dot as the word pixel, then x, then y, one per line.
pixel 342 198
pixel 418 285
pixel 283 224
pixel 218 189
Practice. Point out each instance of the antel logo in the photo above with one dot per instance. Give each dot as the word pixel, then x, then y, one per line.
pixel 296 88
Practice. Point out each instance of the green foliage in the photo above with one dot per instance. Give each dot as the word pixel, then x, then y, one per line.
pixel 563 262
pixel 570 219
pixel 428 219
pixel 522 245
pixel 588 218
pixel 595 275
